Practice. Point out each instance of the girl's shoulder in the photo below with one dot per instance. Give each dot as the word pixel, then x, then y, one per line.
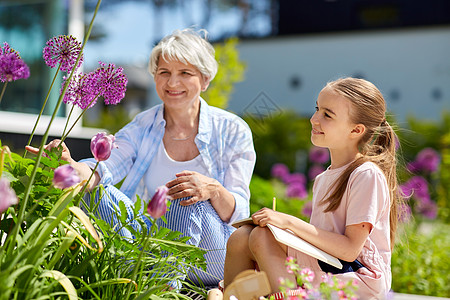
pixel 368 170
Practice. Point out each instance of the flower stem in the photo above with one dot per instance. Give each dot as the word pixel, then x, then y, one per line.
pixel 76 121
pixel 12 239
pixel 3 91
pixel 42 109
pixel 87 182
pixel 68 118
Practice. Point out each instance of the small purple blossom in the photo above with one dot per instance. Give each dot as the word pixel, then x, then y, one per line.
pixel 63 50
pixel 319 155
pixel 307 209
pixel 315 170
pixel 296 190
pixel 280 171
pixel 12 67
pixel 416 187
pixel 112 83
pixel 7 195
pixel 102 145
pixel 429 159
pixel 65 176
pixel 427 208
pixel 295 178
pixel 157 207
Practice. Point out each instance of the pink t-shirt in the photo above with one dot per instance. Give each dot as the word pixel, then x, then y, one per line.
pixel 366 199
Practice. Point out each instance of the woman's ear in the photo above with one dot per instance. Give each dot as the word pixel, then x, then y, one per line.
pixel 358 131
pixel 205 84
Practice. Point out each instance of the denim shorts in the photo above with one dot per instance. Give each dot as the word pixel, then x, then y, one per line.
pixel 346 267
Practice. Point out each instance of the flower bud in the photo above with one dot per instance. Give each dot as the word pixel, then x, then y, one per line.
pixel 65 176
pixel 7 195
pixel 157 207
pixel 101 145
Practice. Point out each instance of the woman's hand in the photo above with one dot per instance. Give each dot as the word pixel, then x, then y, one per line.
pixel 265 215
pixel 192 184
pixel 53 144
pixel 83 170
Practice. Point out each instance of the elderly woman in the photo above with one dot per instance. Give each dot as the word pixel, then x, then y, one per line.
pixel 203 154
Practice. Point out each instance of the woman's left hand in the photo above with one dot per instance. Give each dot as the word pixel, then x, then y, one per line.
pixel 192 184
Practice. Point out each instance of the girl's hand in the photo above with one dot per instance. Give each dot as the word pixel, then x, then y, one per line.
pixel 265 215
pixel 65 151
pixel 194 185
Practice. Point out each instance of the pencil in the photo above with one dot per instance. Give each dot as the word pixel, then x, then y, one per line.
pixel 274 204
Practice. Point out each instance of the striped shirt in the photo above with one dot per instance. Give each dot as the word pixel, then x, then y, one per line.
pixel 226 148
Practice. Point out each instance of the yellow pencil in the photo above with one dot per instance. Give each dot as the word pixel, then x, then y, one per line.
pixel 274 204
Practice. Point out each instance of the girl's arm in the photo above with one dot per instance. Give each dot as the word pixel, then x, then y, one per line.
pixel 345 246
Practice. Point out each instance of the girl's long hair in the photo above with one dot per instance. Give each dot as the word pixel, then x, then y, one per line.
pixel 378 144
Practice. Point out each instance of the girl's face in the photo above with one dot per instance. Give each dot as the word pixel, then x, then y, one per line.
pixel 331 125
pixel 178 85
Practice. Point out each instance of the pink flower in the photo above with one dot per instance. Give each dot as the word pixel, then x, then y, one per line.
pixel 7 195
pixel 296 190
pixel 280 171
pixel 102 145
pixel 319 155
pixel 65 176
pixel 112 83
pixel 157 207
pixel 295 178
pixel 308 274
pixel 314 171
pixel 428 159
pixel 307 209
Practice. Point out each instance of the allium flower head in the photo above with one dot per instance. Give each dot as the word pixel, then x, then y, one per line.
pixel 295 178
pixel 279 171
pixel 112 83
pixel 65 176
pixel 319 155
pixel 63 50
pixel 428 159
pixel 12 67
pixel 102 145
pixel 7 195
pixel 81 91
pixel 157 207
pixel 296 190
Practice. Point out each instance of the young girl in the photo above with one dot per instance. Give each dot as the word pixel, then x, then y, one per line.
pixel 355 200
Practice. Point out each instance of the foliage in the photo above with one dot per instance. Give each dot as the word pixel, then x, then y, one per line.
pixel 230 71
pixel 280 138
pixel 55 240
pixel 420 263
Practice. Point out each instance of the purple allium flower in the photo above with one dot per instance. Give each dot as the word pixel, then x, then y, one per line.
pixel 7 195
pixel 296 190
pixel 427 208
pixel 307 209
pixel 295 178
pixel 314 171
pixel 416 186
pixel 157 207
pixel 428 159
pixel 12 67
pixel 65 176
pixel 81 91
pixel 102 145
pixel 112 83
pixel 280 171
pixel 319 155
pixel 63 50
pixel 414 167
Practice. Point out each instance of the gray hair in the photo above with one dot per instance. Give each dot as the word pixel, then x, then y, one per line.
pixel 186 46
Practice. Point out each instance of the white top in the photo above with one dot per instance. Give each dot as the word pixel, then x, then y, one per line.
pixel 163 169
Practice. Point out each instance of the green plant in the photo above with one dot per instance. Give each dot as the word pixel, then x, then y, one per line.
pixel 230 71
pixel 420 262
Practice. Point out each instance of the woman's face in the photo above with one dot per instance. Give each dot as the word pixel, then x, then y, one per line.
pixel 178 85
